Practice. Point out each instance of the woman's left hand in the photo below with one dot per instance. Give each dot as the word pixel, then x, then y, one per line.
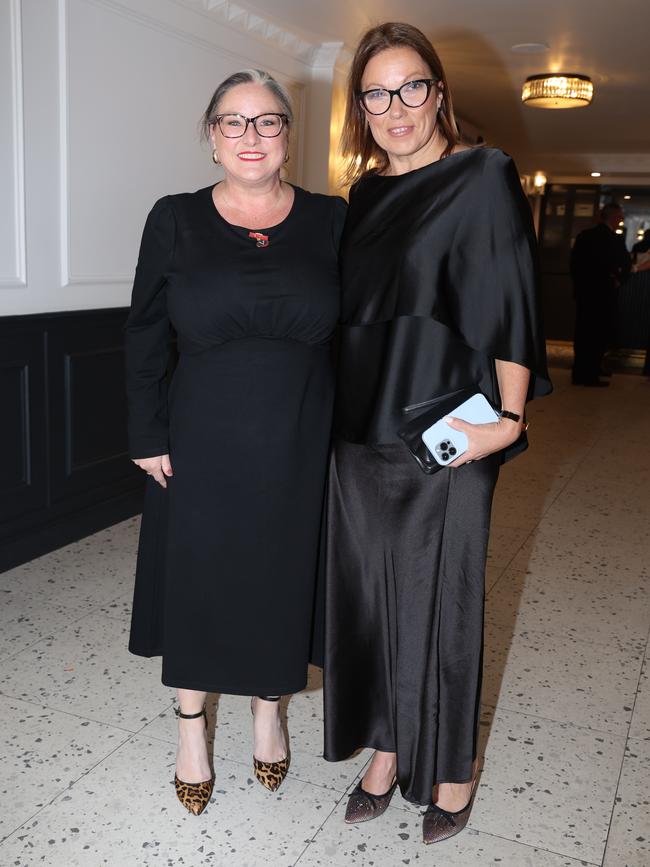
pixel 485 439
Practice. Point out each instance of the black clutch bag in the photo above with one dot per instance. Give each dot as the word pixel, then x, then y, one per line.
pixel 428 414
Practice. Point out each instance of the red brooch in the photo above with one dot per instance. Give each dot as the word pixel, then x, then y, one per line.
pixel 261 240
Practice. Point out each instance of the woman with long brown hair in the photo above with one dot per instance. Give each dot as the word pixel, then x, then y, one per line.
pixel 439 295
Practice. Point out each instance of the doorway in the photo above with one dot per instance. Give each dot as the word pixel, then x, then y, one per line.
pixel 568 209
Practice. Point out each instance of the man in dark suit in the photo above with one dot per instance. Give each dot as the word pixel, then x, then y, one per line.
pixel 599 263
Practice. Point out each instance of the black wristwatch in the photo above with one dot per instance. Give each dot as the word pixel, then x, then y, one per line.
pixel 513 416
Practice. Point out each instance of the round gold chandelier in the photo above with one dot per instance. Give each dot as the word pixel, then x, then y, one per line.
pixel 557 90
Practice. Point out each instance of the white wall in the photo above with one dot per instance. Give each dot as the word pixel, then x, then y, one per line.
pixel 12 200
pixel 99 104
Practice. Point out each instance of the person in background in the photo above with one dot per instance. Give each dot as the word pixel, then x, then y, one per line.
pixel 599 263
pixel 246 271
pixel 641 259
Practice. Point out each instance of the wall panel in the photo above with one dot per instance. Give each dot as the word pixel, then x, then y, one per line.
pixel 65 471
pixel 131 131
pixel 12 187
pixel 23 482
pixel 99 108
pixel 88 404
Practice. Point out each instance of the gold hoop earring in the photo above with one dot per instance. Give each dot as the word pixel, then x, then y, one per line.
pixel 215 157
pixel 286 158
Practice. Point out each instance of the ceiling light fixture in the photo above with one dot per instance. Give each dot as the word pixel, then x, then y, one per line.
pixel 529 48
pixel 627 197
pixel 557 90
pixel 595 174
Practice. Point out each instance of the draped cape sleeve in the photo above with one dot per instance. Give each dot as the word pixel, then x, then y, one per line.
pixel 440 279
pixel 493 275
pixel 147 338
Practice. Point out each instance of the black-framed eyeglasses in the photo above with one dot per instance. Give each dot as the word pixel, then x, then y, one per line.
pixel 413 94
pixel 267 125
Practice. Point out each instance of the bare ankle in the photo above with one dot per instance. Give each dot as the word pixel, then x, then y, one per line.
pixel 384 760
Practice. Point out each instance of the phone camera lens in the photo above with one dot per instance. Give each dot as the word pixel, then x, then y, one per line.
pixel 444 456
pixel 452 451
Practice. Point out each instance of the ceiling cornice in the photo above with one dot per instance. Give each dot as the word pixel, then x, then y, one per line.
pixel 326 55
pixel 236 16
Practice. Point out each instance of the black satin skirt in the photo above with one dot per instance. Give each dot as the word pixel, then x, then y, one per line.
pixel 404 592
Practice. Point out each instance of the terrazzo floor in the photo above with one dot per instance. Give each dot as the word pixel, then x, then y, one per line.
pixel 88 732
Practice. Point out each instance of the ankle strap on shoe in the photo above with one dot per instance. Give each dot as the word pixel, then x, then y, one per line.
pixel 178 713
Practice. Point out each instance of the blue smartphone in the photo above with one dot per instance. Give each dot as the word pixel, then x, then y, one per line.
pixel 447 444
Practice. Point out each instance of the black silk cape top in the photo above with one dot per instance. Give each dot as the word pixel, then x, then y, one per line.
pixel 439 274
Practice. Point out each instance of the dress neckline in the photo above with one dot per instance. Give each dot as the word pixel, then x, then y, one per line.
pixel 264 229
pixel 425 168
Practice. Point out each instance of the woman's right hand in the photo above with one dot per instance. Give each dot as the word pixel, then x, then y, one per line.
pixel 159 468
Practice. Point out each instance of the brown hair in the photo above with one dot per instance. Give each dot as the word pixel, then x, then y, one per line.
pixel 358 147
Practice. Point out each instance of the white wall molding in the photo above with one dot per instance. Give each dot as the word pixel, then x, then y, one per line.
pixel 280 40
pixel 64 197
pixel 120 7
pixel 235 17
pixel 326 55
pixel 99 104
pixel 100 280
pixel 260 28
pixel 17 279
pixel 67 277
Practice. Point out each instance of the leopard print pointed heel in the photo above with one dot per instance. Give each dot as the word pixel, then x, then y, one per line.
pixel 270 774
pixel 193 796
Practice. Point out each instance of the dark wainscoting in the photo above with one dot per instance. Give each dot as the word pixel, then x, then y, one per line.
pixel 65 471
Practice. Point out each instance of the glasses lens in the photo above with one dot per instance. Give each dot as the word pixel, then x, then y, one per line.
pixel 232 125
pixel 376 101
pixel 268 125
pixel 414 93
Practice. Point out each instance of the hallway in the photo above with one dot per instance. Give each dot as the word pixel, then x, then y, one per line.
pixel 89 735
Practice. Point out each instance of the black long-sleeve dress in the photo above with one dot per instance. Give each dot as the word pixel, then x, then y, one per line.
pixel 228 553
pixel 438 281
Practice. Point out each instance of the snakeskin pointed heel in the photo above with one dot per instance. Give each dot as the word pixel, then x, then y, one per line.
pixel 193 796
pixel 270 774
pixel 439 824
pixel 362 806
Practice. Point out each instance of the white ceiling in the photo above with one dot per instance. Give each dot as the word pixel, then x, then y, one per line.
pixel 605 39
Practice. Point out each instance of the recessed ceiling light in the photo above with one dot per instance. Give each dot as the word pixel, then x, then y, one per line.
pixel 529 48
pixel 595 174
pixel 627 197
